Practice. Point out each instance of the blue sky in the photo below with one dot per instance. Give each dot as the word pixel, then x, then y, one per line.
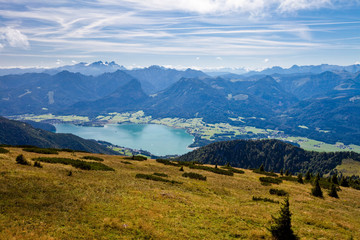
pixel 253 34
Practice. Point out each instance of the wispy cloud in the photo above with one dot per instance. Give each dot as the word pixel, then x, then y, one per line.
pixel 194 28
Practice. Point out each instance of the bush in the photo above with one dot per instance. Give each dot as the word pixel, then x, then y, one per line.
pixel 155 178
pixel 210 169
pixel 93 158
pixel 264 199
pixel 281 230
pixel 41 150
pixel 194 176
pixel 22 160
pixel 161 174
pixel 76 163
pixel 3 150
pixel 70 173
pixel 278 192
pixel 37 164
pixel 181 169
pixel 270 180
pixel 137 158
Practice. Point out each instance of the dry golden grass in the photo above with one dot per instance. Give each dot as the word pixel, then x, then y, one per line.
pixel 45 203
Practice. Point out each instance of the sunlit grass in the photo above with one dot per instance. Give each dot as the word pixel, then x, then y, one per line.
pixel 46 203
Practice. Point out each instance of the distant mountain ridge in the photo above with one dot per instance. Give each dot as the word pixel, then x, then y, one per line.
pixel 307 69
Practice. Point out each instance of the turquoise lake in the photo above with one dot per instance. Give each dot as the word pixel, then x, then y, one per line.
pixel 157 139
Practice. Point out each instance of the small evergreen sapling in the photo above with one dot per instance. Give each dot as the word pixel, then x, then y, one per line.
pixel 344 182
pixel 316 190
pixel 300 179
pixel 333 191
pixel 334 179
pixel 307 176
pixel 281 230
pixel 261 168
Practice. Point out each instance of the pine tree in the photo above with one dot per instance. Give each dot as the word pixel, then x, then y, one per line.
pixel 261 168
pixel 281 172
pixel 287 173
pixel 334 179
pixel 344 182
pixel 333 191
pixel 316 191
pixel 181 169
pixel 307 176
pixel 300 179
pixel 281 230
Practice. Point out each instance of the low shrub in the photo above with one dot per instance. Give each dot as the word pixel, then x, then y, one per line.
pixel 264 199
pixel 270 180
pixel 37 164
pixel 41 150
pixel 76 163
pixel 278 192
pixel 211 169
pixel 155 178
pixel 166 162
pixel 193 175
pixel 271 174
pixel 20 159
pixel 234 170
pixel 3 150
pixel 93 158
pixel 161 174
pixel 137 158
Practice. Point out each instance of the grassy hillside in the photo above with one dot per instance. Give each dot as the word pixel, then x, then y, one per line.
pixel 46 203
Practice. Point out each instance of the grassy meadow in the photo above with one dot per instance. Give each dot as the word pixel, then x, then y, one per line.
pixel 47 203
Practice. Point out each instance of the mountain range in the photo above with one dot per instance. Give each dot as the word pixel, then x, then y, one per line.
pixel 326 104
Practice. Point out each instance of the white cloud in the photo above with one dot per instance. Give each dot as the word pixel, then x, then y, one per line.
pixel 58 62
pixel 219 58
pixel 15 38
pixel 197 58
pixel 266 60
pixel 357 62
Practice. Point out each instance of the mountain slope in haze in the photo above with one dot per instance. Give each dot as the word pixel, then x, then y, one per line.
pixel 273 154
pixel 315 69
pixel 128 97
pixel 39 93
pixel 20 133
pixel 156 78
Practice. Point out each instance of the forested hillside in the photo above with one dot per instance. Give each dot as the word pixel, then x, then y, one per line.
pixel 272 154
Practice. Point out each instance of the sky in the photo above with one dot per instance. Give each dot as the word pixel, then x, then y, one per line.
pixel 201 34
